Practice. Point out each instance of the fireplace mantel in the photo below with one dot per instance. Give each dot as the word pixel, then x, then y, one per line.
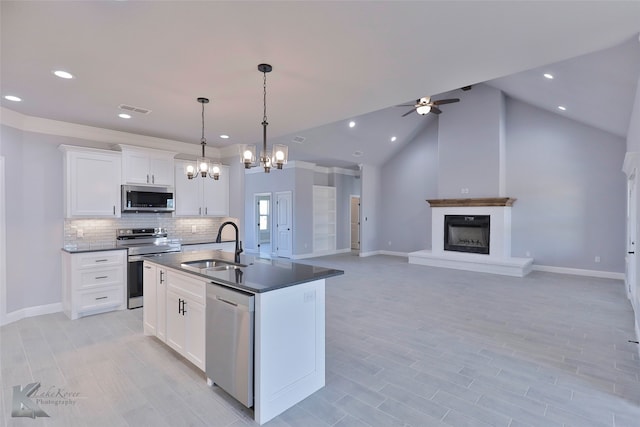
pixel 487 201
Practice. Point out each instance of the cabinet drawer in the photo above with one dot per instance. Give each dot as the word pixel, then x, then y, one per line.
pixel 101 277
pixel 94 259
pixel 186 286
pixel 99 298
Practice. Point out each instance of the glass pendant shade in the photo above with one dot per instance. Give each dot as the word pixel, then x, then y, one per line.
pixel 423 110
pixel 190 171
pixel 280 155
pixel 203 166
pixel 248 156
pixel 214 172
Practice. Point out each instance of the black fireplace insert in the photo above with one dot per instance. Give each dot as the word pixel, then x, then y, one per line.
pixel 467 233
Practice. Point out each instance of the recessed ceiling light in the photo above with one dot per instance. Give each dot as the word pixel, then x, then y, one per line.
pixel 63 74
pixel 124 116
pixel 548 76
pixel 12 98
pixel 562 107
pixel 352 124
pixel 224 136
pixel 393 139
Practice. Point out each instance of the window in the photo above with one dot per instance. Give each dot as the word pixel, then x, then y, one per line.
pixel 263 209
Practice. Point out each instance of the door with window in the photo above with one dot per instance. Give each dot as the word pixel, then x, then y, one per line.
pixel 263 224
pixel 284 224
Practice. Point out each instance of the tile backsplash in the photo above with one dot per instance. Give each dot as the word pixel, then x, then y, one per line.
pixel 103 231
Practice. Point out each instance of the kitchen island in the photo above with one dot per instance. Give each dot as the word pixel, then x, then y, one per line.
pixel 288 339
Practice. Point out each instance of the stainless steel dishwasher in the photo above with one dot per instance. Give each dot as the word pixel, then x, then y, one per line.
pixel 229 341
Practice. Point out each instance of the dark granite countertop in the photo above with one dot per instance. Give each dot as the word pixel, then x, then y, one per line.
pixel 200 241
pixel 259 274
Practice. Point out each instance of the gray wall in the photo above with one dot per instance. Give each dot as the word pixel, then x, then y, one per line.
pixel 370 209
pixel 469 138
pixel 408 179
pixel 34 216
pixel 570 188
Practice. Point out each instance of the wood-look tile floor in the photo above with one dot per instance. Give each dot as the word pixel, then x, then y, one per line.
pixel 407 345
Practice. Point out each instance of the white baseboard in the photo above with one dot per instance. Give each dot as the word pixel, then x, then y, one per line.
pixel 579 272
pixel 318 254
pixel 394 253
pixel 31 311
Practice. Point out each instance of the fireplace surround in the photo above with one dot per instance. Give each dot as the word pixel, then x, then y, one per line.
pixel 495 259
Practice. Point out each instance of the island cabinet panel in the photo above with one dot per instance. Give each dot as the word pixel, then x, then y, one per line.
pixel 93 282
pixel 289 347
pixel 185 316
pixel 155 297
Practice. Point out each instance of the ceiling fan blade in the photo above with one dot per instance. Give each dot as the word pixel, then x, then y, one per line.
pixel 435 110
pixel 445 101
pixel 405 105
pixel 408 112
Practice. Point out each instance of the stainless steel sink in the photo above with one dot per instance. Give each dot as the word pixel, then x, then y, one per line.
pixel 210 265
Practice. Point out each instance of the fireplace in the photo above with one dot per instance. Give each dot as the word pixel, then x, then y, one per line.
pixel 467 233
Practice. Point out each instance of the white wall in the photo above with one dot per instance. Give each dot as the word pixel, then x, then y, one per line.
pixel 633 146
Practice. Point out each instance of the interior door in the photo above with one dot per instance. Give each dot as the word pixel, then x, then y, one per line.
pixel 284 224
pixel 631 257
pixel 355 223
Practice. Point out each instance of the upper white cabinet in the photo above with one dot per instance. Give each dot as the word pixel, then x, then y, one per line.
pixel 324 219
pixel 147 166
pixel 92 182
pixel 201 196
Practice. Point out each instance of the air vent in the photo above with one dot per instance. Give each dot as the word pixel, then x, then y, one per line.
pixel 298 139
pixel 134 109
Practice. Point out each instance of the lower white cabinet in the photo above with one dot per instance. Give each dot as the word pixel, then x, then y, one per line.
pixel 174 311
pixel 93 282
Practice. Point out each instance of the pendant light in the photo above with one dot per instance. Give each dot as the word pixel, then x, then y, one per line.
pixel 203 167
pixel 280 152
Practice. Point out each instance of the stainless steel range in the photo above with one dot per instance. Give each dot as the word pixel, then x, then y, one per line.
pixel 141 243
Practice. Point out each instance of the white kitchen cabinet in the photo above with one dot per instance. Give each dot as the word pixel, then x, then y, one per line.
pixel 324 219
pixel 185 316
pixel 93 282
pixel 155 297
pixel 91 182
pixel 201 196
pixel 147 166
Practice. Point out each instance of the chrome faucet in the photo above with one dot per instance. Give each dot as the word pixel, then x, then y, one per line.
pixel 238 250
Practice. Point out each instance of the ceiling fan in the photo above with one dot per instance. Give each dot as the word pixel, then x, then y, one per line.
pixel 424 106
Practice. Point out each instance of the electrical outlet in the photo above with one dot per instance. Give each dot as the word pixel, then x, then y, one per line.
pixel 193 229
pixel 597 258
pixel 80 233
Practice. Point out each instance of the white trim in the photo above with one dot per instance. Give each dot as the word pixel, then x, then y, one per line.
pixel 3 248
pixel 637 335
pixel 319 254
pixel 31 312
pixel 371 253
pixel 579 272
pixel 630 162
pixel 395 253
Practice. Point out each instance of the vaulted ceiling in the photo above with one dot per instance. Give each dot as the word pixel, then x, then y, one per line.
pixel 332 62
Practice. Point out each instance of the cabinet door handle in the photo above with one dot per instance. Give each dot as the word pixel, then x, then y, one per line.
pixel 184 307
pixel 179 305
pixel 206 210
pixel 114 209
pixel 161 277
pixel 199 211
pixel 97 298
pixel 101 277
pixel 153 179
pixel 147 267
pixel 102 260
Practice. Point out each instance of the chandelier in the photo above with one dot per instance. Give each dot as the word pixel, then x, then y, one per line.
pixel 203 167
pixel 280 152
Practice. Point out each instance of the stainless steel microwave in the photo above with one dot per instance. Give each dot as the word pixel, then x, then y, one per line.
pixel 143 198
